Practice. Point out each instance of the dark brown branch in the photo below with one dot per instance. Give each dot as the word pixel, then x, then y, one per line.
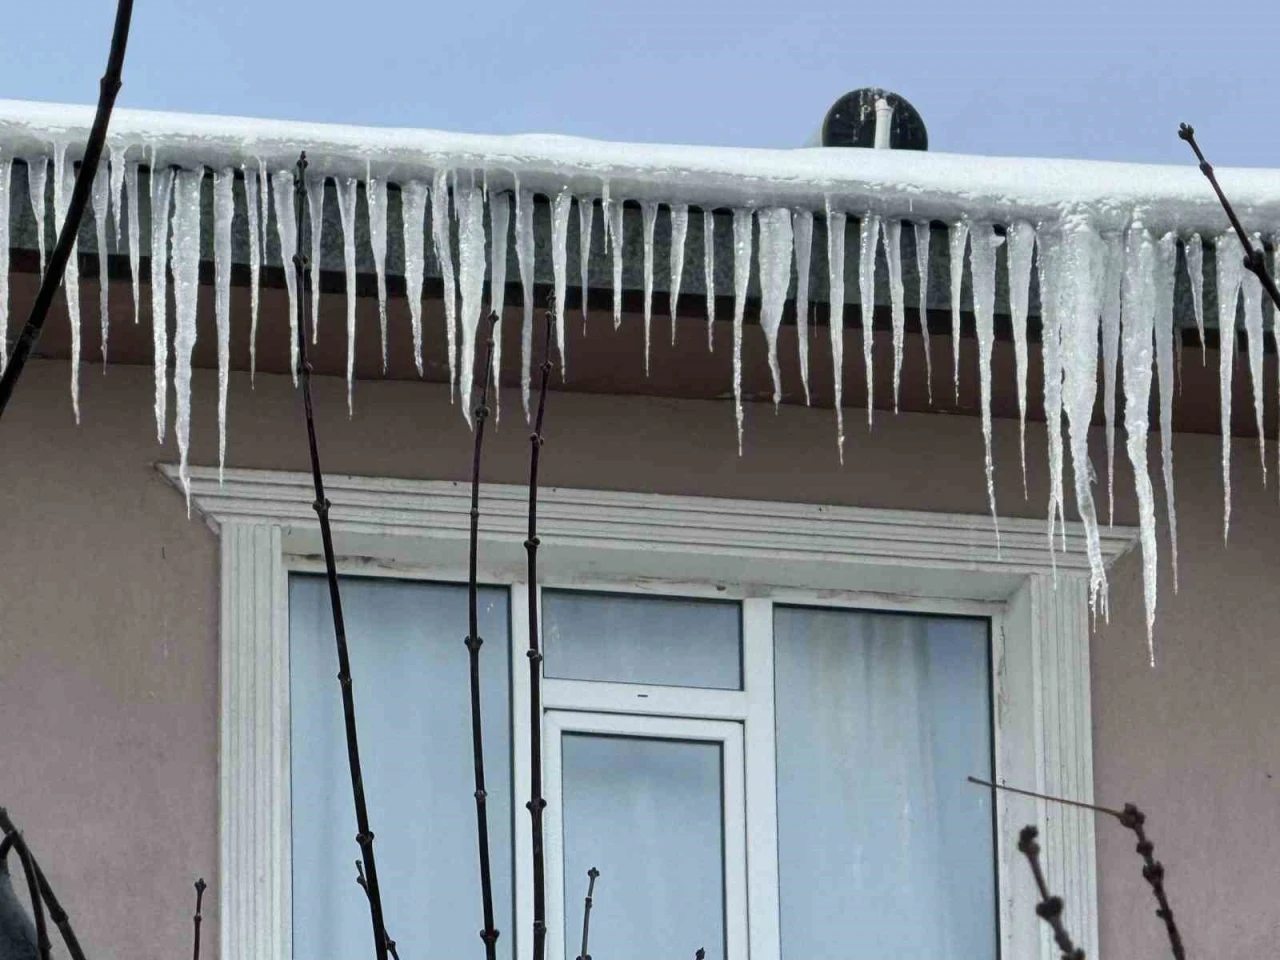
pixel 1153 873
pixel 13 840
pixel 56 913
pixel 364 885
pixel 537 803
pixel 1049 909
pixel 474 641
pixel 108 88
pixel 1044 796
pixel 1254 259
pixel 592 874
pixel 195 949
pixel 364 836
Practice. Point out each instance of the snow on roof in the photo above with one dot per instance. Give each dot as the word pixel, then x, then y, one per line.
pixel 904 183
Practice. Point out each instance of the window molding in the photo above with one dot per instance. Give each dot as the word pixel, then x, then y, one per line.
pixel 1040 638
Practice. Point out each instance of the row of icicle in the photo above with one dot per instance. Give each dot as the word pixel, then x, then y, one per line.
pixel 1115 289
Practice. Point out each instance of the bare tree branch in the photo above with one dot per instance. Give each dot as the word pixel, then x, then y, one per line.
pixel 1049 909
pixel 200 887
pixel 592 874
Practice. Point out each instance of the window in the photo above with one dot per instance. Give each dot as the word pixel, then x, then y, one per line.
pixel 744 601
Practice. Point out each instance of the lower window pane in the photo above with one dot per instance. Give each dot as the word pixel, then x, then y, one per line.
pixel 410 681
pixel 884 849
pixel 648 814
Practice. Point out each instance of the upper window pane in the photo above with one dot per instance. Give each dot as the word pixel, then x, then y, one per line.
pixel 410 680
pixel 627 638
pixel 880 718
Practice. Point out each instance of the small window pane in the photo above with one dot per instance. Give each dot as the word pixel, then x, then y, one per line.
pixel 648 814
pixel 884 849
pixel 636 639
pixel 410 680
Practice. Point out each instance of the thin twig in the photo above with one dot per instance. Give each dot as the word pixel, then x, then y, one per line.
pixel 537 803
pixel 1153 873
pixel 474 641
pixel 1254 259
pixel 195 920
pixel 1049 909
pixel 364 836
pixel 108 88
pixel 1044 796
pixel 592 874
pixel 364 885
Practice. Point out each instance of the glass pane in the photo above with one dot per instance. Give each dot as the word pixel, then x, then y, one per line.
pixel 880 718
pixel 410 681
pixel 636 639
pixel 647 813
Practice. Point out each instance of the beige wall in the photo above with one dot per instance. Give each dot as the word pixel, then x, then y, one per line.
pixel 109 602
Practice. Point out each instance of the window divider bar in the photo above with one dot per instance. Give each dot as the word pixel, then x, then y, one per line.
pixel 763 919
pixel 522 935
pixel 596 696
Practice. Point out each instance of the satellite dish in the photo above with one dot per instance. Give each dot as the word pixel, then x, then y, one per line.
pixel 851 122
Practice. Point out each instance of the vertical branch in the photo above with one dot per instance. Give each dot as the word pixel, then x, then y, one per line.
pixel 1049 909
pixel 195 949
pixel 13 839
pixel 537 803
pixel 364 836
pixel 474 641
pixel 108 88
pixel 586 912
pixel 1153 873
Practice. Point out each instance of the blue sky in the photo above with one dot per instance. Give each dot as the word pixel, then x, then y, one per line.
pixel 1087 79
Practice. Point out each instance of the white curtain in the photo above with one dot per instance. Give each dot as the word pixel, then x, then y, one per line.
pixel 884 849
pixel 410 682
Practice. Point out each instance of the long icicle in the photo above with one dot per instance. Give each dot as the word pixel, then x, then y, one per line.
pixel 1230 280
pixel 869 232
pixel 709 272
pixel 957 234
pixel 474 641
pixel 741 276
pixel 345 190
pixel 101 203
pixel 186 286
pixel 37 188
pixel 251 187
pixel 802 224
pixel 679 234
pixel 440 229
pixel 525 253
pixel 1048 245
pixel 836 224
pixel 1166 267
pixel 469 202
pixel 287 233
pixel 161 191
pixel 923 233
pixel 560 264
pixel 586 214
pixel 537 803
pixel 499 228
pixel 413 216
pixel 982 249
pixel 1252 294
pixel 223 212
pixel 1195 273
pixel 1022 242
pixel 364 835
pixel 134 237
pixel 1113 276
pixel 774 264
pixel 648 219
pixel 376 195
pixel 892 238
pixel 63 184
pixel 315 214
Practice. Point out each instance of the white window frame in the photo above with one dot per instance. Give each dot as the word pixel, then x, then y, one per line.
pixel 754 551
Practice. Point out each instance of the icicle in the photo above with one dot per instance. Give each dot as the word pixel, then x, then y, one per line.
pixel 869 229
pixel 1230 257
pixel 586 214
pixel 413 198
pixel 223 212
pixel 287 234
pixel 741 276
pixel 264 190
pixel 101 200
pixel 835 322
pixel 957 234
pixel 1112 277
pixel 315 211
pixel 802 223
pixel 709 272
pixel 679 233
pixel 135 239
pixel 6 173
pixel 1022 241
pixel 469 202
pixel 37 181
pixel 560 264
pixel 376 195
pixel 117 188
pixel 1051 322
pixel 345 190
pixel 64 179
pixel 186 287
pixel 648 217
pixel 893 256
pixel 1251 289
pixel 1080 286
pixel 524 260
pixel 499 223
pixel 1136 339
pixel 923 233
pixel 251 191
pixel 615 223
pixel 982 251
pixel 774 263
pixel 1194 249
pixel 607 223
pixel 444 255
pixel 1166 271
